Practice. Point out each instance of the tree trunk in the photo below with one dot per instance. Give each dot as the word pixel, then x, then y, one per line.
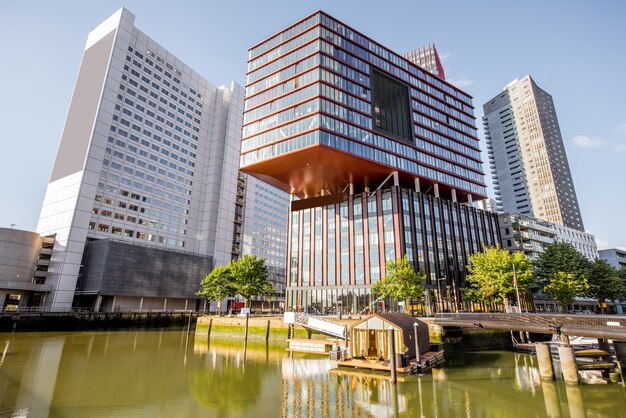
pixel 219 307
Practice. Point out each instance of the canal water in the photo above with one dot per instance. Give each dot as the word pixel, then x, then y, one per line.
pixel 168 374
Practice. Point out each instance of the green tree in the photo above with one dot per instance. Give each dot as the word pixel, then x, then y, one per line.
pixel 491 275
pixel 560 257
pixel 604 283
pixel 249 275
pixel 564 287
pixel 401 282
pixel 218 285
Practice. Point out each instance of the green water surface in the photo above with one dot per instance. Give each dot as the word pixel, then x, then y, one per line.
pixel 168 374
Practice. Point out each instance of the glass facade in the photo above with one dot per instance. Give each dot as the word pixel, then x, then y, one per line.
pixel 402 217
pixel 328 111
pixel 320 84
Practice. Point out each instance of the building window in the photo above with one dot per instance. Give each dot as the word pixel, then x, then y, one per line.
pixel 391 108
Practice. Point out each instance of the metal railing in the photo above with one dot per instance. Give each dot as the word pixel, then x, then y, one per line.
pixel 598 326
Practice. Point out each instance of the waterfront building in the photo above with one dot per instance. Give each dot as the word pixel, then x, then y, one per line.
pixel 531 235
pixel 24 260
pixel 142 192
pixel 527 157
pixel 614 256
pixel 380 156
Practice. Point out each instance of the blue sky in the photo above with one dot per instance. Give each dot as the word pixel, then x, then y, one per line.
pixel 573 49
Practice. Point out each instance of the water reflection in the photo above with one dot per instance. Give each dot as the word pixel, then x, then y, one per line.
pixel 164 373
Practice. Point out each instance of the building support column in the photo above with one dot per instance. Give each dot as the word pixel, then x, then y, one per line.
pixel 417 184
pixel 546 371
pixel 469 199
pixel 396 179
pixel 453 191
pixel 436 189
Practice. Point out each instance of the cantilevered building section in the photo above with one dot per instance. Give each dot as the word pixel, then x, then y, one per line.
pixel 382 157
pixel 528 162
pixel 427 57
pixel 142 193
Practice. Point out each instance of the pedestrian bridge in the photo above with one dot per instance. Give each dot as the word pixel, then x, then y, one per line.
pixel 593 326
pixel 316 323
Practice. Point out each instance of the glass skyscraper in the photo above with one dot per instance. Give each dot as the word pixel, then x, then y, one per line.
pixel 381 157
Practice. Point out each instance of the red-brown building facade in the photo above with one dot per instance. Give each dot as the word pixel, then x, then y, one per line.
pixel 382 159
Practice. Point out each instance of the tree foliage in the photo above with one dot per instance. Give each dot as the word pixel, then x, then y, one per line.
pixel 401 282
pixel 246 276
pixel 491 275
pixel 604 282
pixel 564 287
pixel 249 275
pixel 560 257
pixel 218 285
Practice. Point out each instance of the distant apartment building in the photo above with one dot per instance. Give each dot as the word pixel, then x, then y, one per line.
pixel 143 189
pixel 531 235
pixel 614 256
pixel 529 166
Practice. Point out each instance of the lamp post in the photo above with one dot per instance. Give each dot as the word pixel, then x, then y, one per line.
pixel 418 355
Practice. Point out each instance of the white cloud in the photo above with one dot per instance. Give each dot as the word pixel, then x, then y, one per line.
pixel 621 148
pixel 603 244
pixel 460 81
pixel 582 141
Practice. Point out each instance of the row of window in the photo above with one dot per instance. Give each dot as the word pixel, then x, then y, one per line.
pixel 282 103
pixel 283 88
pixel 390 56
pixel 116 230
pixel 284 35
pixel 284 74
pixel 284 48
pixel 400 163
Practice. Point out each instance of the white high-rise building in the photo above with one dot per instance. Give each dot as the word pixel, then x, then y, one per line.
pixel 528 162
pixel 147 166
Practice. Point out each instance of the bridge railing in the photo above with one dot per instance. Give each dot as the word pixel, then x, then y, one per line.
pixel 600 326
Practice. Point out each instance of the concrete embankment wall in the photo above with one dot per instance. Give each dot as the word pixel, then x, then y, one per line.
pixel 95 321
pixel 454 340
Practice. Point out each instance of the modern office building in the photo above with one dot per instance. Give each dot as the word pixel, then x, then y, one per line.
pixel 24 260
pixel 427 58
pixel 531 236
pixel 263 229
pixel 142 192
pixel 529 166
pixel 614 256
pixel 381 157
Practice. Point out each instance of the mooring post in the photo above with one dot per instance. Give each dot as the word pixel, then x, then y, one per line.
pixel 189 324
pixel 208 333
pixel 620 356
pixel 392 355
pixel 568 364
pixel 247 317
pixel 418 355
pixel 267 331
pixel 546 371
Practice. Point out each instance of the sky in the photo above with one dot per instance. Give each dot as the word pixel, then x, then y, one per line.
pixel 573 49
